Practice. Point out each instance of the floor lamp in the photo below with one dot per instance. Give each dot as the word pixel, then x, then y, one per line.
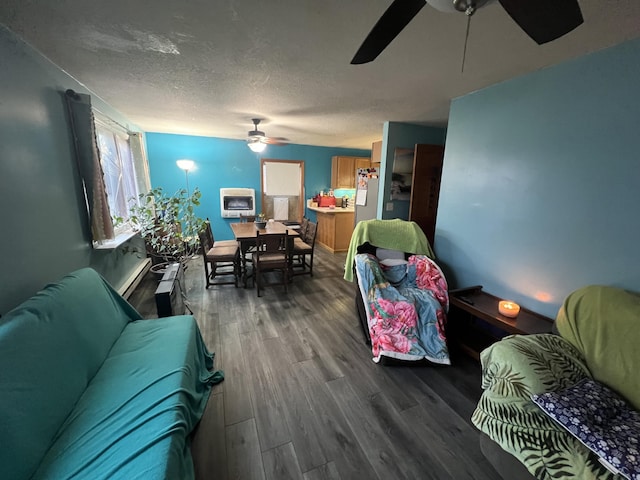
pixel 187 166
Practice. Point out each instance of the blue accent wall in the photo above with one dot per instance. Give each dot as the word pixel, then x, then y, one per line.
pixel 223 163
pixel 401 135
pixel 45 229
pixel 541 183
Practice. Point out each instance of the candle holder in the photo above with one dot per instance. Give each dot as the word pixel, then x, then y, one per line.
pixel 508 308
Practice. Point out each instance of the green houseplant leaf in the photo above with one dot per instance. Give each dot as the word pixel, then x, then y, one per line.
pixel 168 223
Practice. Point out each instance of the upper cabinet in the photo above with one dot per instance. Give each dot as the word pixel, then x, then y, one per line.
pixel 343 170
pixel 376 154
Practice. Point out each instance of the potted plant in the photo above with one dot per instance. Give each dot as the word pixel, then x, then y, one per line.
pixel 168 224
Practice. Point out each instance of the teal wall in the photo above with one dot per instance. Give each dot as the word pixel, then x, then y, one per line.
pixel 541 183
pixel 223 163
pixel 401 135
pixel 45 231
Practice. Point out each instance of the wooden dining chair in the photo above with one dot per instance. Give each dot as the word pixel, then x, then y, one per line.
pixel 302 247
pixel 213 241
pixel 302 235
pixel 271 254
pixel 247 218
pixel 219 261
pixel 304 224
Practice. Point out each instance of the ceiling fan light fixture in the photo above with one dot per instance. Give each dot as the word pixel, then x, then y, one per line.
pixel 257 146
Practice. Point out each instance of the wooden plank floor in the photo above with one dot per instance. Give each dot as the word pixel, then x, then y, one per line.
pixel 302 399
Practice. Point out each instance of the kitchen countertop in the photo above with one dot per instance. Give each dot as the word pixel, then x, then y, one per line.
pixel 332 210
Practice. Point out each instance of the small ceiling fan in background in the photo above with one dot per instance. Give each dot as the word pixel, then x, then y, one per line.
pixel 258 141
pixel 542 20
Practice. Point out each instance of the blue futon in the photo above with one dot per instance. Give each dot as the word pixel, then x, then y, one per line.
pixel 89 390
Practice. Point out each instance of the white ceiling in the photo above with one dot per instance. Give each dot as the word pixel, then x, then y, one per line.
pixel 207 67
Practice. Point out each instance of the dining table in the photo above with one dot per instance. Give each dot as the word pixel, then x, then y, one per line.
pixel 246 234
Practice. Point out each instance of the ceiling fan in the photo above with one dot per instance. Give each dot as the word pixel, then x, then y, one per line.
pixel 258 141
pixel 542 20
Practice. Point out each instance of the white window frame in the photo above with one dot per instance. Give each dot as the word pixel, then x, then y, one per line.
pixel 120 161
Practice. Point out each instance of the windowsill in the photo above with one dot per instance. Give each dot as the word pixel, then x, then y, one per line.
pixel 115 243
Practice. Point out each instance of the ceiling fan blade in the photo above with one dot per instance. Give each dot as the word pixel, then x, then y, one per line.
pixel 276 141
pixel 397 16
pixel 544 20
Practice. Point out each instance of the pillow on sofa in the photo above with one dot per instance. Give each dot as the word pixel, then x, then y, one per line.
pixel 602 420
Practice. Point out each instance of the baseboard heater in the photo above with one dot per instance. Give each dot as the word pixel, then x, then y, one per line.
pixel 169 294
pixel 131 283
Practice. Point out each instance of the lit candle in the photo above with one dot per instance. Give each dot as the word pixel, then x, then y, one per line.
pixel 508 308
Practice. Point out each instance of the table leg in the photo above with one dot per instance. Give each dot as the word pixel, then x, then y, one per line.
pixel 245 245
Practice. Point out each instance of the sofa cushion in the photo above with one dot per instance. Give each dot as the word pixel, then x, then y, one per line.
pixel 51 346
pixel 601 420
pixel 134 417
pixel 604 324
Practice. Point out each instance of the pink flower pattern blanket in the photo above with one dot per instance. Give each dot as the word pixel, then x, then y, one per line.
pixel 406 308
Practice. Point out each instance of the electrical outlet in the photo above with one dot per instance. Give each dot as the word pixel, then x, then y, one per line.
pixel 389 207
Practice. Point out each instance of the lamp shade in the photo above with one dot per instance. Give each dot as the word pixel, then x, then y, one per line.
pixel 185 164
pixel 257 146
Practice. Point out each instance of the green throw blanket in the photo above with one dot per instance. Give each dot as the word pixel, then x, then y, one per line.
pixel 512 370
pixel 599 328
pixel 392 234
pixel 604 323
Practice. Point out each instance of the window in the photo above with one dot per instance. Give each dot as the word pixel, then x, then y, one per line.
pixel 119 172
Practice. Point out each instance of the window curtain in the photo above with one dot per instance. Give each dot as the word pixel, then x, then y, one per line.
pixel 140 164
pixel 88 159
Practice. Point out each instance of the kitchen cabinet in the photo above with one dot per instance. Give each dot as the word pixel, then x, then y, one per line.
pixel 363 162
pixel 376 154
pixel 343 170
pixel 335 227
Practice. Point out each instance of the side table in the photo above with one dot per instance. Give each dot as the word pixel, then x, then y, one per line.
pixel 474 321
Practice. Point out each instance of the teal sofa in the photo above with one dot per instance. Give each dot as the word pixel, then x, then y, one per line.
pixel 89 390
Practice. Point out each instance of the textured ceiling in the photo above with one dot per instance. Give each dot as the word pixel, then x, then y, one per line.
pixel 207 67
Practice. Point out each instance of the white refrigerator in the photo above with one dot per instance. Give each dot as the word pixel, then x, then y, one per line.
pixel 366 205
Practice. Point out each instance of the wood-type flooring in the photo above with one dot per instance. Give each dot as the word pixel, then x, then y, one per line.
pixel 302 398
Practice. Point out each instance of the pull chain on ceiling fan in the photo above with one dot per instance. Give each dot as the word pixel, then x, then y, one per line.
pixel 543 20
pixel 469 8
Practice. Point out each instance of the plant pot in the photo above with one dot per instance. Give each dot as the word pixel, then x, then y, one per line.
pixel 260 224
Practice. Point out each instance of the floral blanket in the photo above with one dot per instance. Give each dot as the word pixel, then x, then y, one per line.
pixel 406 306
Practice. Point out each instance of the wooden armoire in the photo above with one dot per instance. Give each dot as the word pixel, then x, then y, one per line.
pixel 425 187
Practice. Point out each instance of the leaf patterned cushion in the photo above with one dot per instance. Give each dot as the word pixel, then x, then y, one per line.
pixel 601 420
pixel 515 368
